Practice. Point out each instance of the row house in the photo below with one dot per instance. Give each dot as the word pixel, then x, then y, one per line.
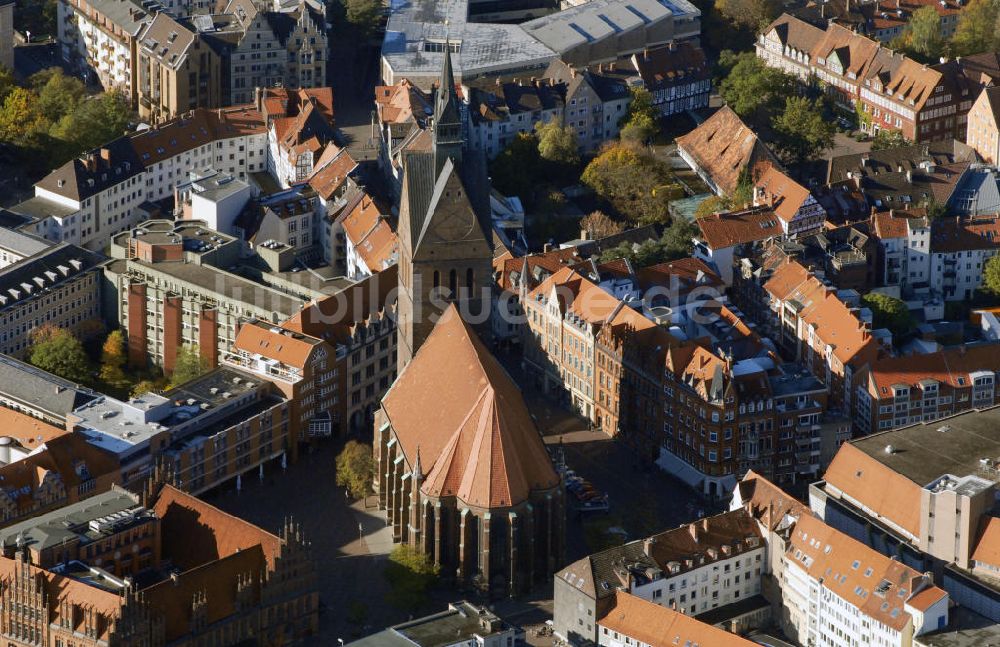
pixel 99 39
pixel 830 589
pixel 401 117
pixel 300 129
pixel 707 564
pixel 924 103
pixel 677 76
pixel 799 213
pixel 334 181
pixel 722 236
pixel 820 331
pixel 371 241
pixel 594 103
pixel 983 128
pixel 499 112
pixel 359 325
pixel 900 391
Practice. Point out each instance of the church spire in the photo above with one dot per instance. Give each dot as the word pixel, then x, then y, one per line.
pixel 447 126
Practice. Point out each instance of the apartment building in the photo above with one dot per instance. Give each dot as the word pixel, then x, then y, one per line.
pixel 300 127
pixel 177 70
pixel 288 217
pixel 900 391
pixel 57 287
pixel 170 286
pixel 238 582
pixel 359 323
pixel 275 49
pixel 877 599
pixel 820 331
pixel 924 103
pixel 723 151
pixel 99 40
pixel 707 564
pixel 983 129
pixel 799 213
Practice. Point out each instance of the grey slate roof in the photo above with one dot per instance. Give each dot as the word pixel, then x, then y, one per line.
pixel 29 386
pixel 70 522
pixel 30 277
pixel 94 172
pixel 22 243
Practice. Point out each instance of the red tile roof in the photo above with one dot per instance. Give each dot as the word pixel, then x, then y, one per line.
pixel 480 443
pixel 781 193
pixel 371 233
pixel 723 146
pixel 292 349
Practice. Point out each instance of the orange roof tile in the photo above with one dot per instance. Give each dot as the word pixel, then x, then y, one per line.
pixel 728 229
pixel 944 366
pixel 987 550
pixel 200 127
pixel 782 193
pixel 330 175
pixel 257 338
pixel 877 487
pixel 768 503
pixel 723 146
pixel 28 431
pixel 374 239
pixel 657 626
pixel 332 318
pixel 854 572
pixel 480 443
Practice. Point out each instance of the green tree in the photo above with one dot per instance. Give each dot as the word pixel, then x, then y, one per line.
pixel 187 365
pixel 516 169
pixel 889 312
pixel 7 82
pixel 712 204
pixel 113 359
pixel 802 132
pixel 751 85
pixel 57 351
pixel 752 15
pixel 410 575
pixel 642 121
pixel 58 94
pixel 143 387
pixel 355 468
pixel 675 243
pixel 20 117
pixel 627 177
pixel 364 15
pixel 924 32
pixel 95 121
pixel 557 143
pixel 976 31
pixel 889 138
pixel 991 276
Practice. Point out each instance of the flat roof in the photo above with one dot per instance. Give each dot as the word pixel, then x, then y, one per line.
pixel 965 629
pixel 124 427
pixel 458 624
pixel 22 243
pixel 39 207
pixel 195 235
pixel 232 287
pixel 924 452
pixel 110 511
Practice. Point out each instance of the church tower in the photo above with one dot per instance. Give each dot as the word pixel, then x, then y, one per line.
pixel 445 231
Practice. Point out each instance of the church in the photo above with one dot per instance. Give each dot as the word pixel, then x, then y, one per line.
pixel 460 467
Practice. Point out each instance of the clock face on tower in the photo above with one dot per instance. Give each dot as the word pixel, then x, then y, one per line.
pixel 456 224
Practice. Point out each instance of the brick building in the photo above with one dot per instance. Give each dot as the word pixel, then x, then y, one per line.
pixel 983 130
pixel 469 482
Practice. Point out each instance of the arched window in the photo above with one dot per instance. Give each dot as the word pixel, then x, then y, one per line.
pixel 470 280
pixel 453 283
